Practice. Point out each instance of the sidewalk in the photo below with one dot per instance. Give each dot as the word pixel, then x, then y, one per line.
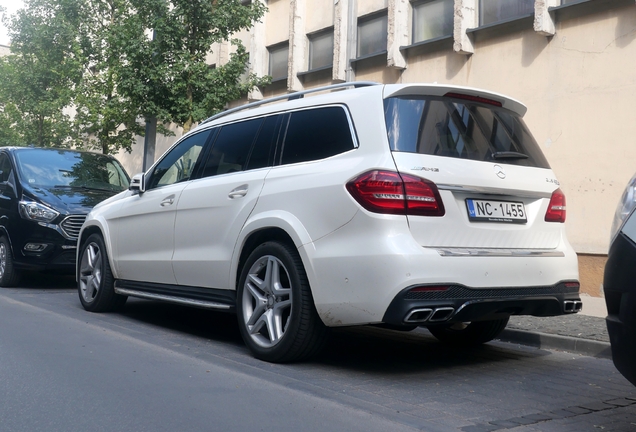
pixel 582 333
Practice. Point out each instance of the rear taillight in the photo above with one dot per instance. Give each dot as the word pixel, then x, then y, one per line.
pixel 394 193
pixel 556 208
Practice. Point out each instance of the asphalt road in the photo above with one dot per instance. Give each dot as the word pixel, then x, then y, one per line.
pixel 159 367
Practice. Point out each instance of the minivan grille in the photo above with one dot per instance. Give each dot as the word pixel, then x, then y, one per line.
pixel 71 226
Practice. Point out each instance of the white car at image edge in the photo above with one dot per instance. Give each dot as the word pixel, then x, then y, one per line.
pixel 398 205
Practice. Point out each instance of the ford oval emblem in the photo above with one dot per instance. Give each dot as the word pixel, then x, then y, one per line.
pixel 499 171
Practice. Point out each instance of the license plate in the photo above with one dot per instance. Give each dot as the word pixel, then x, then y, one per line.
pixel 496 211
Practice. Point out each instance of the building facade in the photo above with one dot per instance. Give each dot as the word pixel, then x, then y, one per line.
pixel 570 61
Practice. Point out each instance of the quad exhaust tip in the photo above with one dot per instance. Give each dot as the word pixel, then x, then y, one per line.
pixel 572 306
pixel 423 315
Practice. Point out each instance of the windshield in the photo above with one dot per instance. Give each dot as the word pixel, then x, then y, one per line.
pixel 456 128
pixel 72 169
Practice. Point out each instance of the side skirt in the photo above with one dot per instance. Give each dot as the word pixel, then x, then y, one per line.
pixel 206 298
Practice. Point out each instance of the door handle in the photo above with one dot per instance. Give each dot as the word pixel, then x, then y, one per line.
pixel 238 192
pixel 167 201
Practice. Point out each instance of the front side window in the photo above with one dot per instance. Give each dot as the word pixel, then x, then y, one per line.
pixel 321 50
pixel 278 56
pixel 465 130
pixel 5 168
pixel 372 35
pixel 178 165
pixel 432 19
pixel 492 11
pixel 316 134
pixel 67 168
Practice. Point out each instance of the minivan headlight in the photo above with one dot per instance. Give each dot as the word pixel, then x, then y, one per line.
pixel 624 208
pixel 37 212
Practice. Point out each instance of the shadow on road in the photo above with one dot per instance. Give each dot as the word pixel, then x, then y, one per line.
pixel 361 349
pixel 48 281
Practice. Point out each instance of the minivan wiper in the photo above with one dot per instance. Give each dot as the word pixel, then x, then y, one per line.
pixel 509 155
pixel 81 187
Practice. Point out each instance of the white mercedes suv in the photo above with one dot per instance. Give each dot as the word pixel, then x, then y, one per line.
pixel 398 205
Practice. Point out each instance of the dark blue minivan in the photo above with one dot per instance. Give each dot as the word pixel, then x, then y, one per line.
pixel 45 195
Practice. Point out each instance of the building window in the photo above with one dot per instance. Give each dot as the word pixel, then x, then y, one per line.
pixel 278 56
pixel 492 11
pixel 432 19
pixel 372 35
pixel 321 49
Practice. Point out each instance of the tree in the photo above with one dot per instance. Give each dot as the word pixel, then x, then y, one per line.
pixel 106 116
pixel 168 73
pixel 86 72
pixel 38 78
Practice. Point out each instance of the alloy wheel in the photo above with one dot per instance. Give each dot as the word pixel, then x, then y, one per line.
pixel 267 301
pixel 3 259
pixel 90 273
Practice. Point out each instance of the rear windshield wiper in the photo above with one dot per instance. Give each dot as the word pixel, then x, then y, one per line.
pixel 509 155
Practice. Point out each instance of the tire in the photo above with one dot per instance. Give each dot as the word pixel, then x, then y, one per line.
pixel 9 276
pixel 95 282
pixel 469 334
pixel 276 313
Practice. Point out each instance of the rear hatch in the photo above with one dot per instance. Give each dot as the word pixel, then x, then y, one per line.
pixel 494 182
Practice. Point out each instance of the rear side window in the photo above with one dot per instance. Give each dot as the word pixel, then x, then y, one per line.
pixel 231 148
pixel 459 129
pixel 316 134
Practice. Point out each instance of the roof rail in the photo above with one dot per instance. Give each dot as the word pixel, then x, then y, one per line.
pixel 290 96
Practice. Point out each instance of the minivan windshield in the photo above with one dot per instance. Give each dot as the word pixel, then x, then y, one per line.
pixel 442 126
pixel 70 169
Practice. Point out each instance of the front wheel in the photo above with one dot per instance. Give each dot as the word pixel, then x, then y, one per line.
pixel 9 276
pixel 276 312
pixel 95 282
pixel 471 333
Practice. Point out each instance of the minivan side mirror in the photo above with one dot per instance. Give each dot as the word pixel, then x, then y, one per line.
pixel 138 183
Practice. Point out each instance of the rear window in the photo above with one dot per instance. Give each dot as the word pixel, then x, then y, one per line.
pixel 317 134
pixel 460 129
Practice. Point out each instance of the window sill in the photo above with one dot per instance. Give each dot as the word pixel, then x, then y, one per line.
pixel 314 71
pixel 278 80
pixel 585 7
pixel 500 28
pixel 500 24
pixel 429 44
pixel 369 56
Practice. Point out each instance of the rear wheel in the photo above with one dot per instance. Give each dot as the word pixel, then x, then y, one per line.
pixel 95 284
pixel 471 333
pixel 9 276
pixel 276 312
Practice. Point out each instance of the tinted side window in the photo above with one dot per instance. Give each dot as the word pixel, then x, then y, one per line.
pixel 262 152
pixel 316 134
pixel 231 148
pixel 179 164
pixel 5 168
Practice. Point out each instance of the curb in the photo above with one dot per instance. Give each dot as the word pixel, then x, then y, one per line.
pixel 563 343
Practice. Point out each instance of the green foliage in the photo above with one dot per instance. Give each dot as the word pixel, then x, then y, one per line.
pixel 87 72
pixel 168 74
pixel 38 78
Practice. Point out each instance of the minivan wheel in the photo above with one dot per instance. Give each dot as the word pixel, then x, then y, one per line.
pixel 95 282
pixel 276 312
pixel 9 276
pixel 472 333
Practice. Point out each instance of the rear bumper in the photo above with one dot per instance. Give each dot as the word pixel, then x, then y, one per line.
pixel 461 304
pixel 619 285
pixel 360 275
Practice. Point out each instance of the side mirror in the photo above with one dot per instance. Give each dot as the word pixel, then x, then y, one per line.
pixel 138 183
